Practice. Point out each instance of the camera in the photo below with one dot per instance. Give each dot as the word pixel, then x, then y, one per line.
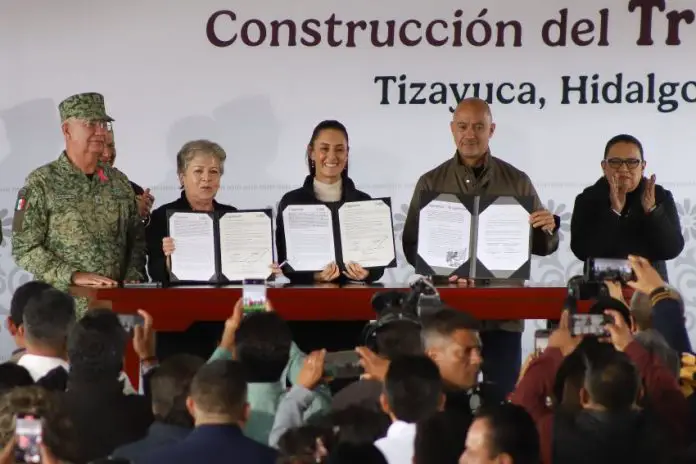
pixel 394 306
pixel 423 299
pixel 580 288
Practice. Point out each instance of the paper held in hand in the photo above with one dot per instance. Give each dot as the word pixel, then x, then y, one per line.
pixel 221 247
pixel 486 237
pixel 359 231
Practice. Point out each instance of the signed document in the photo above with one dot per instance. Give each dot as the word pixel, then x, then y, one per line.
pixel 309 237
pixel 367 234
pixel 503 243
pixel 246 245
pixel 194 238
pixel 444 232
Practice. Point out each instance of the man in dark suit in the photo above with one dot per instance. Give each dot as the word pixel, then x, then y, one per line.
pixel 102 415
pixel 625 213
pixel 218 404
pixel 169 386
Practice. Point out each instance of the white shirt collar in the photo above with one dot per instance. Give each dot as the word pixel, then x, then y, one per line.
pixel 397 446
pixel 39 366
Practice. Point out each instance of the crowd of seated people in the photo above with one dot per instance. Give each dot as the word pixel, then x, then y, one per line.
pixel 260 399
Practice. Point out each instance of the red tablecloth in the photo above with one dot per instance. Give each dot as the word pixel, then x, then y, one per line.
pixel 175 309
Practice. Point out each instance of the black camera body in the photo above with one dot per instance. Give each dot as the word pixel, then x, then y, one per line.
pixel 391 307
pixel 582 289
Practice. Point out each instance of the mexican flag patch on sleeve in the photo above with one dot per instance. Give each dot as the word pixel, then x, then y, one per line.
pixel 20 208
pixel 22 203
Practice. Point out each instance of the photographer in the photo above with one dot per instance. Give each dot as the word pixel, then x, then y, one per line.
pixel 626 213
pixel 400 338
pixel 396 332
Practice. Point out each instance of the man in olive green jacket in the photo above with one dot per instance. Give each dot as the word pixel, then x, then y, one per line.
pixel 474 171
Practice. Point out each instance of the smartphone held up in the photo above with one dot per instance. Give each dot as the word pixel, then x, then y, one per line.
pixel 28 437
pixel 254 295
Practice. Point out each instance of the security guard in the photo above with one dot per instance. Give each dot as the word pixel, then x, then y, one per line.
pixel 76 220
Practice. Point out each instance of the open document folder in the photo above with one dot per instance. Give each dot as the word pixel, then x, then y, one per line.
pixel 221 246
pixel 358 231
pixel 475 236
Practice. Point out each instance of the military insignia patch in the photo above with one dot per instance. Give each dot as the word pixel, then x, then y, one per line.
pixel 22 203
pixel 20 208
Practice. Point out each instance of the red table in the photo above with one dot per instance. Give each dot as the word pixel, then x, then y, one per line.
pixel 176 308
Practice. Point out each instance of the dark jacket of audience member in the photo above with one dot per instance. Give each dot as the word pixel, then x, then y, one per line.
pixel 440 438
pixel 169 386
pixel 668 319
pixel 218 402
pixel 13 376
pixel 103 416
pixel 598 232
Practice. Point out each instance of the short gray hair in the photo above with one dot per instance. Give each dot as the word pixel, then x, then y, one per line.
pixel 438 328
pixel 199 147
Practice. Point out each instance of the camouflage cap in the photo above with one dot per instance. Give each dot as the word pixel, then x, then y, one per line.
pixel 88 106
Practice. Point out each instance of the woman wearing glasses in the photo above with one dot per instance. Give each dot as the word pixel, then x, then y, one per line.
pixel 625 212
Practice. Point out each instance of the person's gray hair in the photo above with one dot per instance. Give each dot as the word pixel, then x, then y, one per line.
pixel 199 147
pixel 641 307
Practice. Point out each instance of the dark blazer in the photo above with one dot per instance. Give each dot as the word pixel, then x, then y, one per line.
pixel 305 196
pixel 157 230
pixel 103 417
pixel 211 444
pixel 598 232
pixel 159 434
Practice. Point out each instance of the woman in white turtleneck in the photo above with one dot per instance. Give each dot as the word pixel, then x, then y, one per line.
pixel 327 182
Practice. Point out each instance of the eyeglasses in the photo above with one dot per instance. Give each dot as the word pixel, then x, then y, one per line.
pixel 631 163
pixel 98 124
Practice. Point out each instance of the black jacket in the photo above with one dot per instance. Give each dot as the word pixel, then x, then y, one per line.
pixel 159 434
pixel 156 231
pixel 213 444
pixel 305 196
pixel 592 437
pixel 598 232
pixel 103 417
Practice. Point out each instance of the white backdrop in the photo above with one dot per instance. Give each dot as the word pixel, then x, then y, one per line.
pixel 166 83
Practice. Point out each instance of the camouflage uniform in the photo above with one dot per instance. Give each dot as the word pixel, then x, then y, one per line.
pixel 67 222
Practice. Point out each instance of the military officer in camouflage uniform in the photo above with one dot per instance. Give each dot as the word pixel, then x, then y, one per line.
pixel 76 221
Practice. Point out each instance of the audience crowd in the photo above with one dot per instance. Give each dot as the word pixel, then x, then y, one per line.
pixel 623 398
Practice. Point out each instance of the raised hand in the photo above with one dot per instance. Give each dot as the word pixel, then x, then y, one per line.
pixel 617 194
pixel 648 197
